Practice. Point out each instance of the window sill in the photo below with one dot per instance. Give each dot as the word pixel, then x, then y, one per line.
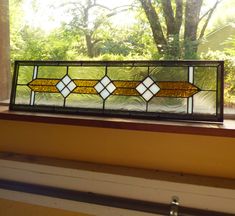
pixel 227 129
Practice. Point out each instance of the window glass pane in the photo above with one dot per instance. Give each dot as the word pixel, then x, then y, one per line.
pixel 205 102
pixel 177 92
pixel 126 103
pixel 25 74
pixel 45 99
pixel 205 78
pixel 86 72
pixel 166 105
pixel 51 72
pixel 23 94
pixel 169 73
pixel 84 101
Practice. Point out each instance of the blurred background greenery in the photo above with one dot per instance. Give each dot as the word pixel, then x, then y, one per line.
pixel 125 30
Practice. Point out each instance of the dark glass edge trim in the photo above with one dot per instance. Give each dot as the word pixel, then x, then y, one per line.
pixel 104 200
pixel 127 63
pixel 118 113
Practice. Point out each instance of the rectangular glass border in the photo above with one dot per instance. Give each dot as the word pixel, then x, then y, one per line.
pixel 218 117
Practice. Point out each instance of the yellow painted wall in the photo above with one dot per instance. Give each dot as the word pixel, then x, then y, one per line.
pixel 196 154
pixel 12 208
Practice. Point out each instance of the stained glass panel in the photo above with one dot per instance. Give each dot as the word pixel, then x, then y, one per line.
pixel 188 90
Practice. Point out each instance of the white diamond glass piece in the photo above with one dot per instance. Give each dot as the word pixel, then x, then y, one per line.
pixel 141 88
pixel 66 80
pixel 154 88
pixel 65 92
pixel 148 82
pixel 147 95
pixel 71 86
pixel 60 86
pixel 99 87
pixel 104 94
pixel 105 81
pixel 111 87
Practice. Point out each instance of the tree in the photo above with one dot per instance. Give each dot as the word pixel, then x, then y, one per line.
pixel 178 16
pixel 92 20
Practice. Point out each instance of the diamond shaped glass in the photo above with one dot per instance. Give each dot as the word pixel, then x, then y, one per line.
pixel 65 92
pixel 66 86
pixel 71 86
pixel 105 81
pixel 147 95
pixel 148 88
pixel 66 80
pixel 104 94
pixel 60 86
pixel 111 87
pixel 154 88
pixel 105 87
pixel 148 82
pixel 99 87
pixel 141 88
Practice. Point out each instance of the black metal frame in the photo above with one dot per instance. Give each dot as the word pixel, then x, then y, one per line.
pixel 120 113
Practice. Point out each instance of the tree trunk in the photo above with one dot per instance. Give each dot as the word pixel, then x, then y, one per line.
pixel 155 24
pixel 192 12
pixel 90 46
pixel 5 76
pixel 173 25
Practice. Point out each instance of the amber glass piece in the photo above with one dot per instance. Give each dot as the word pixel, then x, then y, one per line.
pixel 85 83
pixel 49 89
pixel 126 84
pixel 44 85
pixel 126 91
pixel 176 93
pixel 176 89
pixel 85 90
pixel 44 82
pixel 176 85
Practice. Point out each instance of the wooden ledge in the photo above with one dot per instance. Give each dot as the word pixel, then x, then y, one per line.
pixel 227 129
pixel 154 175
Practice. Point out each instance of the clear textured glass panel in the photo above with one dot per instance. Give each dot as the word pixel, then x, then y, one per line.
pixel 86 72
pixel 51 72
pixel 84 101
pixel 127 73
pixel 23 95
pixel 49 99
pixel 132 103
pixel 205 77
pixel 168 105
pixel 25 74
pixel 204 102
pixel 169 73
